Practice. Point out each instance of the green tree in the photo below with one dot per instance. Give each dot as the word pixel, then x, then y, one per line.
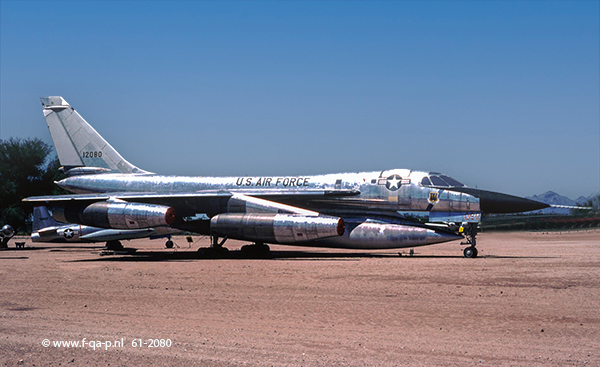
pixel 26 169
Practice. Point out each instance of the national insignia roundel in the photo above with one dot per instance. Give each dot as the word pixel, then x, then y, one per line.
pixel 393 182
pixel 69 233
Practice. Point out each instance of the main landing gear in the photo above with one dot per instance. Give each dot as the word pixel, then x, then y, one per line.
pixel 114 245
pixel 256 250
pixel 216 249
pixel 470 232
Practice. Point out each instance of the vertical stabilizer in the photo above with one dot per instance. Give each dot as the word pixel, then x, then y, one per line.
pixel 43 219
pixel 77 143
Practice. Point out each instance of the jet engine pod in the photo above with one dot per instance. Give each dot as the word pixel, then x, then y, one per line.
pixel 124 215
pixel 276 228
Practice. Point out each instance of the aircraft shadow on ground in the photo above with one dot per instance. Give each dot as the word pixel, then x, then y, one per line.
pixel 52 249
pixel 131 254
pixel 149 256
pixel 158 256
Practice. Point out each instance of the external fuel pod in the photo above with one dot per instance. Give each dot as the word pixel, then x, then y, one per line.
pixel 124 215
pixel 276 228
pixel 118 215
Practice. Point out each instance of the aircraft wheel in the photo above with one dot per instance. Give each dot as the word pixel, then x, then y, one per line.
pixel 256 250
pixel 265 249
pixel 169 244
pixel 470 252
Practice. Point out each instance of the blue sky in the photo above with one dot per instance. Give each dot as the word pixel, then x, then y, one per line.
pixel 501 95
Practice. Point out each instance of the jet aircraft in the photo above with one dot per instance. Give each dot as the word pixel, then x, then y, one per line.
pixel 47 229
pixel 386 209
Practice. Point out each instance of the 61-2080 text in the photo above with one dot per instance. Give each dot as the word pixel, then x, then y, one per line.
pixel 152 343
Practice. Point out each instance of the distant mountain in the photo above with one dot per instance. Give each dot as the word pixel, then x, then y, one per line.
pixel 552 198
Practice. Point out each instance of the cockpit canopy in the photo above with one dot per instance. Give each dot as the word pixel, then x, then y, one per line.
pixel 440 180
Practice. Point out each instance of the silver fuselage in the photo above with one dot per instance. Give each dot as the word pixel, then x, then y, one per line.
pixel 374 189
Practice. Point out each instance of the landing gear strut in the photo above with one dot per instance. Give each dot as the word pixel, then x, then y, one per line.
pixel 470 232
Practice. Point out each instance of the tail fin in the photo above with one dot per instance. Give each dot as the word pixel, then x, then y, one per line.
pixel 78 144
pixel 43 219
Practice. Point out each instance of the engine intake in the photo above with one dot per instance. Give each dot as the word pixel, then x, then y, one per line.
pixel 276 228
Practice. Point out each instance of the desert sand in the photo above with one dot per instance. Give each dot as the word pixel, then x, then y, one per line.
pixel 530 299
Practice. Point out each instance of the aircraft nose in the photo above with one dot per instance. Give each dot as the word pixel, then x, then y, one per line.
pixel 503 203
pixel 498 203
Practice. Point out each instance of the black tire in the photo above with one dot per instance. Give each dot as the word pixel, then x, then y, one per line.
pixel 256 251
pixel 470 252
pixel 169 244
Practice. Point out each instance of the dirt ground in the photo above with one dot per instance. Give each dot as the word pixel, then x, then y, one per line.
pixel 529 299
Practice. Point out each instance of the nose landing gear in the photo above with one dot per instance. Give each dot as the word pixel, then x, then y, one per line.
pixel 470 251
pixel 470 232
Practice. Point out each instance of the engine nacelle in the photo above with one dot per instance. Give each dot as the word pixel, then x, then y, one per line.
pixel 276 228
pixel 118 215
